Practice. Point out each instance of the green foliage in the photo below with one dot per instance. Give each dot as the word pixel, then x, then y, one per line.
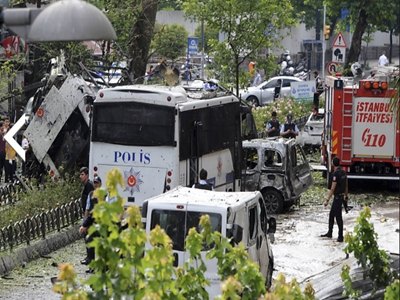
pixel 74 52
pixel 363 244
pixel 282 108
pixel 393 291
pixel 8 74
pixel 348 285
pixel 209 34
pixel 169 41
pixel 289 290
pixel 126 268
pixel 39 198
pixel 248 27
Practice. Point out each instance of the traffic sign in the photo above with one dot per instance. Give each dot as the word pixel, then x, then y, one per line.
pixel 338 54
pixel 339 41
pixel 332 68
pixel 192 45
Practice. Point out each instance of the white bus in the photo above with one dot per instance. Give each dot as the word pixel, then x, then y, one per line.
pixel 160 137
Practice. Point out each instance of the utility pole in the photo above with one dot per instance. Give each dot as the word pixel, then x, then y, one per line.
pixel 202 49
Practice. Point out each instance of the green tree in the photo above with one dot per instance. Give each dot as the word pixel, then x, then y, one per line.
pixel 134 23
pixel 248 27
pixel 374 261
pixel 210 34
pixel 362 13
pixel 169 41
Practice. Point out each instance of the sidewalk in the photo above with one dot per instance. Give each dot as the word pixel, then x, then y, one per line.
pixel 373 63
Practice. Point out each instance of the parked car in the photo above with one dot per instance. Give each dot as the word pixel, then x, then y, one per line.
pixel 278 168
pixel 311 133
pixel 264 93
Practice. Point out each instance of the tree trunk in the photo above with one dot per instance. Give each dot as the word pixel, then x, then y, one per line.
pixel 237 64
pixel 359 30
pixel 142 33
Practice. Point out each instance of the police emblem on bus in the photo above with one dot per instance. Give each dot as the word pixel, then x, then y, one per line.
pixel 133 181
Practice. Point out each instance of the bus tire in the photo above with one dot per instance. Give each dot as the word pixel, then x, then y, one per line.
pixel 273 201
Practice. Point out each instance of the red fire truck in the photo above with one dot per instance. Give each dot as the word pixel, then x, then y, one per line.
pixel 361 128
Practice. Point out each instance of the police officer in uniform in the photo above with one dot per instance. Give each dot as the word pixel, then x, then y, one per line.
pixel 339 191
pixel 289 129
pixel 273 126
pixel 203 184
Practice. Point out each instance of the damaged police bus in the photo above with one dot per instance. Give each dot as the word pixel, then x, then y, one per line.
pixel 160 137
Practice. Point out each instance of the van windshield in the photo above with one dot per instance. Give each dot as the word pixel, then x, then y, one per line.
pixel 177 224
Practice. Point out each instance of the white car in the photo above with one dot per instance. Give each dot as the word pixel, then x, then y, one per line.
pixel 311 134
pixel 264 93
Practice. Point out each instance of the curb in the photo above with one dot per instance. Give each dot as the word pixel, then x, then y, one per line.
pixel 20 256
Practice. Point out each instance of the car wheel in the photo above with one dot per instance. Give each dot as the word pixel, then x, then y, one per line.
pixel 273 201
pixel 253 101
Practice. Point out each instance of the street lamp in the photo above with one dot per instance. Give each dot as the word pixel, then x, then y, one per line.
pixel 64 20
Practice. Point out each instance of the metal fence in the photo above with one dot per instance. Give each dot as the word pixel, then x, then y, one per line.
pixel 40 225
pixel 9 193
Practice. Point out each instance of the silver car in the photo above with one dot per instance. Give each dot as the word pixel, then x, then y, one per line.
pixel 264 93
pixel 311 134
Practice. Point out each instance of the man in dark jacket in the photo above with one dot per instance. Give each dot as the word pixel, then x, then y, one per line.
pixel 273 126
pixel 87 186
pixel 88 221
pixel 203 184
pixel 289 129
pixel 339 190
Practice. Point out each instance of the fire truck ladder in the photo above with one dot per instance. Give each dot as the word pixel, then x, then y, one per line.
pixel 347 116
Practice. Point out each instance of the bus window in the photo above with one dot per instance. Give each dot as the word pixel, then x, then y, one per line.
pixel 134 124
pixel 208 130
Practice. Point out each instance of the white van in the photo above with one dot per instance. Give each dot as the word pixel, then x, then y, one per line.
pixel 240 216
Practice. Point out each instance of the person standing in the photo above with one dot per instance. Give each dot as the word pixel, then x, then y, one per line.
pixel 11 163
pixel 203 184
pixel 88 221
pixel 383 61
pixel 2 152
pixel 277 90
pixel 87 186
pixel 257 78
pixel 339 191
pixel 319 88
pixel 4 129
pixel 289 129
pixel 273 126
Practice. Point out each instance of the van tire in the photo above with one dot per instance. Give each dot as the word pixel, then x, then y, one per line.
pixel 273 201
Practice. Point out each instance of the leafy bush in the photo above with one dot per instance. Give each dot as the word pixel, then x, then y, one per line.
pixel 392 291
pixel 282 107
pixel 39 198
pixel 375 262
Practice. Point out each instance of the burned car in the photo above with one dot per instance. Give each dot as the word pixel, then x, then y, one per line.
pixel 278 168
